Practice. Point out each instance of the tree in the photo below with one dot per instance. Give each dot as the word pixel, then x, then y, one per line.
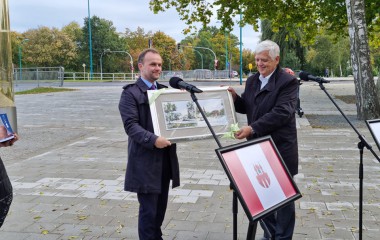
pixel 48 48
pixel 16 39
pixel 104 36
pixel 367 103
pixel 322 55
pixel 74 32
pixel 135 42
pixel 306 15
pixel 167 48
pixel 248 58
pixel 292 53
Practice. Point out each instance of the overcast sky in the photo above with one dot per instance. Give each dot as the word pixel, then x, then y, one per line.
pixel 30 14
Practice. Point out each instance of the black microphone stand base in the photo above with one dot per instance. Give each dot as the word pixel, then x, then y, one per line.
pixel 363 143
pixel 252 225
pixel 235 198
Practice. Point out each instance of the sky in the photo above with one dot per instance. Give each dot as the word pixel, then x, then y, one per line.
pixel 31 14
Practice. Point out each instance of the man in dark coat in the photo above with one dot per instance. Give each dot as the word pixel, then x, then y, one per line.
pixel 269 101
pixel 152 159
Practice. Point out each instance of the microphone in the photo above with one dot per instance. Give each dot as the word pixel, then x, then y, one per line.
pixel 178 83
pixel 307 76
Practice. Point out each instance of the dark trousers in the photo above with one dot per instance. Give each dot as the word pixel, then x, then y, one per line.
pixel 6 193
pixel 153 207
pixel 281 223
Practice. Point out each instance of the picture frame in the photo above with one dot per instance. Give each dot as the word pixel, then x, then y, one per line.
pixel 176 117
pixel 374 127
pixel 259 176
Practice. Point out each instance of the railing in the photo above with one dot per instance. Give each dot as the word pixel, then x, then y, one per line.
pixel 38 77
pixel 80 76
pixel 54 76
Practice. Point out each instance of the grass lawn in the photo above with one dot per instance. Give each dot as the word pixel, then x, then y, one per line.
pixel 44 90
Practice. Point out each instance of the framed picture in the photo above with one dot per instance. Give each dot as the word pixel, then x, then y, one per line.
pixel 259 176
pixel 374 128
pixel 176 116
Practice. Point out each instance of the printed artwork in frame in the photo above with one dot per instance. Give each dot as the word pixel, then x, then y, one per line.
pixel 374 128
pixel 176 116
pixel 259 176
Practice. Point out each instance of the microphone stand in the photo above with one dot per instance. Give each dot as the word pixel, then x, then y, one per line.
pixel 362 143
pixel 234 199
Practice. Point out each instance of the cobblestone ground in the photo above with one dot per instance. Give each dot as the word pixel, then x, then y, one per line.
pixel 68 170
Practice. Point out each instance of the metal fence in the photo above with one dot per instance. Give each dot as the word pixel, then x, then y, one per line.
pixel 80 76
pixel 28 78
pixel 198 74
pixel 55 76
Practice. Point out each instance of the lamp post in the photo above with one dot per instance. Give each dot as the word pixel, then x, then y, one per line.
pixel 200 55
pixel 90 39
pixel 215 59
pixel 20 55
pixel 131 62
pixel 107 50
pixel 225 36
pixel 101 63
pixel 241 48
pixel 84 71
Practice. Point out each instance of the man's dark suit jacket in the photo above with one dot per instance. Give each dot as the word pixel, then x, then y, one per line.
pixel 144 167
pixel 271 111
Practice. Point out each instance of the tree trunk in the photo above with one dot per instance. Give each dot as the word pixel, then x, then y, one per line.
pixel 367 103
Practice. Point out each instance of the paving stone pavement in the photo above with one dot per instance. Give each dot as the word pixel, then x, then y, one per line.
pixel 68 169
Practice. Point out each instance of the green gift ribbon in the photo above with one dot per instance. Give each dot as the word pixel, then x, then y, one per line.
pixel 155 95
pixel 233 129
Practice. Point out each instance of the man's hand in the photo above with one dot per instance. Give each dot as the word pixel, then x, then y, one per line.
pixel 244 132
pixel 162 142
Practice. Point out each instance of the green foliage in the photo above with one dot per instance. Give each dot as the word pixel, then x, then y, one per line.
pixel 290 23
pixel 48 47
pixel 167 48
pixel 292 15
pixel 332 52
pixel 136 41
pixel 74 32
pixel 104 36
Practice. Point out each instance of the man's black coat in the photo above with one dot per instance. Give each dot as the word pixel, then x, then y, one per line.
pixel 144 167
pixel 271 111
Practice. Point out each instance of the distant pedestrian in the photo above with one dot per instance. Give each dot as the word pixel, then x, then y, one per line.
pixel 327 72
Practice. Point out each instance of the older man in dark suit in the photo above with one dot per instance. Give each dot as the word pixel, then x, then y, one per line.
pixel 269 101
pixel 152 159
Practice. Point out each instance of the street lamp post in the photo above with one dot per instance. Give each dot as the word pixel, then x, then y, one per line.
pixel 215 59
pixel 20 55
pixel 101 63
pixel 107 50
pixel 241 48
pixel 201 56
pixel 90 39
pixel 84 71
pixel 225 36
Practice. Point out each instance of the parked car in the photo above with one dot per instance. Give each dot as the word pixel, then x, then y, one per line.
pixel 235 74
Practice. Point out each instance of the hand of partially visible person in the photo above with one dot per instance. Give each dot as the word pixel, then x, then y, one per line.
pixel 244 132
pixel 10 142
pixel 233 92
pixel 162 142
